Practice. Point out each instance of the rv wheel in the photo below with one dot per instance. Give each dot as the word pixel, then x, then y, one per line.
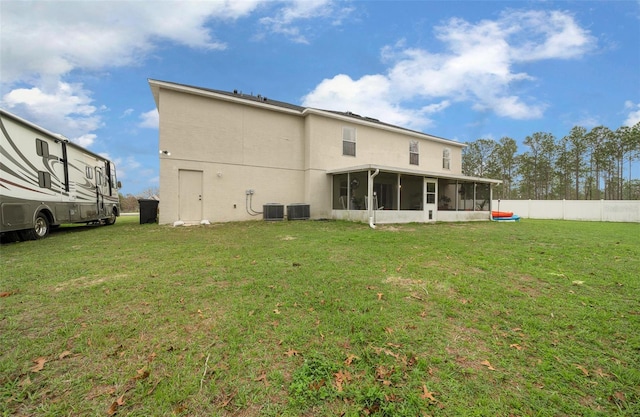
pixel 40 229
pixel 111 219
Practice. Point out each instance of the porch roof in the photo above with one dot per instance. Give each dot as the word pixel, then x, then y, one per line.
pixel 417 172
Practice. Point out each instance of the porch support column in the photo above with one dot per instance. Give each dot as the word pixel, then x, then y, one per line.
pixel 370 197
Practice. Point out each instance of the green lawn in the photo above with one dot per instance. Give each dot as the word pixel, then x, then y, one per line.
pixel 323 318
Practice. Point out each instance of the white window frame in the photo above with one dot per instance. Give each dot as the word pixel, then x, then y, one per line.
pixel 348 141
pixel 414 152
pixel 446 158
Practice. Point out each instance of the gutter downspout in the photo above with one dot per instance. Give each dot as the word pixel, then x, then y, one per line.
pixel 370 197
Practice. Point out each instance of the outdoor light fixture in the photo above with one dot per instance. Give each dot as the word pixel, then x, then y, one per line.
pixel 165 152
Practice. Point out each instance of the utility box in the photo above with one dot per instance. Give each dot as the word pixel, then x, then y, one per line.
pixel 273 211
pixel 298 211
pixel 148 210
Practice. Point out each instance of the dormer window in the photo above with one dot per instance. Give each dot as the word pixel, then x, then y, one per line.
pixel 349 141
pixel 414 153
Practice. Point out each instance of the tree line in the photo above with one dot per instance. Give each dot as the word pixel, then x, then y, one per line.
pixel 583 165
pixel 130 203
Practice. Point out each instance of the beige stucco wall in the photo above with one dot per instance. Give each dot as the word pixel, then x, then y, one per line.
pixel 236 147
pixel 374 146
pixel 281 154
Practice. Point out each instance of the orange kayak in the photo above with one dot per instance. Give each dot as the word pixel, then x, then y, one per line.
pixel 501 214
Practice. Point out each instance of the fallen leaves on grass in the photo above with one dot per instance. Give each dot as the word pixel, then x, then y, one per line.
pixel 516 346
pixel 427 395
pixel 583 369
pixel 383 374
pixel 114 405
pixel 64 354
pixel 39 364
pixel 228 400
pixel 141 374
pixel 341 378
pixel 618 398
pixel 350 359
pixel 488 365
pixel 292 352
pixel 263 378
pixel 6 293
pixel 380 296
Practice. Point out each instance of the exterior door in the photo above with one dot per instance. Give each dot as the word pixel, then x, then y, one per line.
pixel 431 192
pixel 190 195
pixel 100 190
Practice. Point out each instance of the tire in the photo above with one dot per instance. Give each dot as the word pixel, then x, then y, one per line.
pixel 111 219
pixel 40 229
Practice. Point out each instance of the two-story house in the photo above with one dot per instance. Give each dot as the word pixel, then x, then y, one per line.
pixel 228 156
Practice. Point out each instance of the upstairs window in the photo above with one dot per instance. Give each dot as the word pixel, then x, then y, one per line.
pixel 414 153
pixel 446 159
pixel 349 141
pixel 88 172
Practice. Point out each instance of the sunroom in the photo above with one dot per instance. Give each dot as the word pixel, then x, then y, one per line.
pixel 378 194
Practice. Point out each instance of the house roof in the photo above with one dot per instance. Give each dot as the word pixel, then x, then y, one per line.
pixel 259 100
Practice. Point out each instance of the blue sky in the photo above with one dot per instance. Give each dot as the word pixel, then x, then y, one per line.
pixel 463 70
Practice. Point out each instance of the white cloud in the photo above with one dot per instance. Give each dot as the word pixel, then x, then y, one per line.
pixel 65 109
pixel 128 112
pixel 476 66
pixel 44 41
pixel 284 21
pixel 634 113
pixel 125 165
pixel 49 39
pixel 547 35
pixel 150 119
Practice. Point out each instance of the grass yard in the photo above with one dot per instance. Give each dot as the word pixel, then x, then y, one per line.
pixel 323 318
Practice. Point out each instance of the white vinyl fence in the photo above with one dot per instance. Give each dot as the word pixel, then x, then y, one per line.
pixel 591 210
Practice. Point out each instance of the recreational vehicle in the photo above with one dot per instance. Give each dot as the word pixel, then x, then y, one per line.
pixel 46 180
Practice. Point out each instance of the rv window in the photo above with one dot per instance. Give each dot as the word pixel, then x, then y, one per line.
pixel 88 172
pixel 42 148
pixel 114 182
pixel 44 179
pixel 98 177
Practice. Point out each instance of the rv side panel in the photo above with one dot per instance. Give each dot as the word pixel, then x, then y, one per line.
pixel 45 177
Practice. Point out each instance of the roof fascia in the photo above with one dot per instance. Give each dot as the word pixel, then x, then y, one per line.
pixel 156 85
pixel 410 172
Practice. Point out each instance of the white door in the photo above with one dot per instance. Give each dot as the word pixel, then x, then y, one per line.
pixel 190 195
pixel 431 192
